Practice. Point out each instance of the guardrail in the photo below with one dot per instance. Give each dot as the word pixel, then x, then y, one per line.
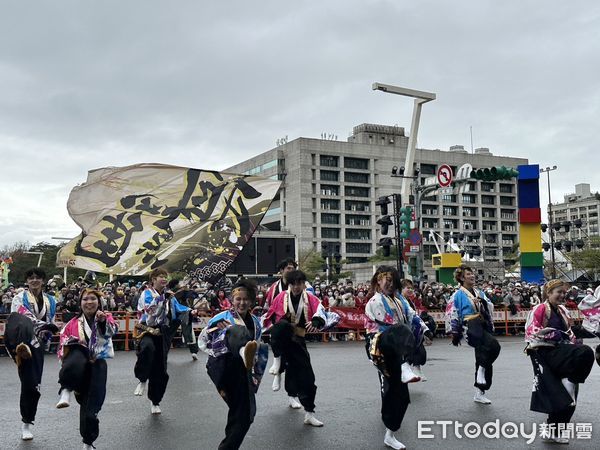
pixel 503 320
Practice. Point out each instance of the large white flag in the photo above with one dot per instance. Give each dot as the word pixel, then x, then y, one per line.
pixel 140 217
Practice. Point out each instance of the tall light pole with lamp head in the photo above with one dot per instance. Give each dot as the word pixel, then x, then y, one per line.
pixel 547 170
pixel 420 97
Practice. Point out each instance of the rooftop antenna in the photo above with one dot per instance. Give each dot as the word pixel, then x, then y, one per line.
pixel 472 151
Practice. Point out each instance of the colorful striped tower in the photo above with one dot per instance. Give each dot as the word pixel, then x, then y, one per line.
pixel 530 231
pixel 444 265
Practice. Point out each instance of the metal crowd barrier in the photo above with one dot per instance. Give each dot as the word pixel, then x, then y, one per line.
pixel 504 321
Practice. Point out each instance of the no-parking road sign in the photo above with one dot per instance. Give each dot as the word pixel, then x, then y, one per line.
pixel 444 175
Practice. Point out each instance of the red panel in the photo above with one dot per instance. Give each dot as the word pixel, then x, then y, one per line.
pixel 530 215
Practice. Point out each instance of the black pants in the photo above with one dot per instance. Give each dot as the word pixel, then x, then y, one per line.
pixel 19 330
pixel 299 377
pixel 418 357
pixel 567 361
pixel 189 338
pixel 151 365
pixel 396 344
pixel 88 380
pixel 232 380
pixel 487 350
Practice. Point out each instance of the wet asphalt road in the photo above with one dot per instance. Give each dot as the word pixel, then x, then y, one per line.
pixel 347 401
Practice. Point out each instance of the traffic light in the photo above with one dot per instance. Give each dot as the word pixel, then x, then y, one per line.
pixel 558 245
pixel 385 244
pixel 579 243
pixel 578 223
pixel 546 246
pixel 494 173
pixel 383 203
pixel 385 222
pixel 566 225
pixel 324 249
pixel 405 218
pixel 544 227
pixel 568 245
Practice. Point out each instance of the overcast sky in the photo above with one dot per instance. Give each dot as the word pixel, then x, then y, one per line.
pixel 208 84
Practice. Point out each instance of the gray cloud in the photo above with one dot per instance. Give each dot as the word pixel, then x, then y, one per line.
pixel 206 84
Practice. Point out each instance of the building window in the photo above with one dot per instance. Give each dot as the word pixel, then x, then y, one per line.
pixel 506 188
pixel 328 189
pixel 449 211
pixel 329 175
pixel 451 224
pixel 331 219
pixel 330 204
pixel 261 168
pixel 357 259
pixel 355 205
pixel 328 161
pixel 469 212
pixel 356 163
pixel 487 187
pixel 330 233
pixel 354 191
pixel 352 177
pixel 470 224
pixel 488 200
pixel 507 226
pixel 429 210
pixel 428 169
pixel 488 212
pixel 352 233
pixel 273 212
pixel 352 247
pixel 449 198
pixel 507 201
pixel 508 214
pixel 352 219
pixel 488 226
pixel 430 223
pixel 469 198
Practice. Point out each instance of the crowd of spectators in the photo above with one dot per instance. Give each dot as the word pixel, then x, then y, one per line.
pixel 209 299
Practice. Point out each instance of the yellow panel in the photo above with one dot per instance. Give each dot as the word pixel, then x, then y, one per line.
pixel 530 238
pixel 446 260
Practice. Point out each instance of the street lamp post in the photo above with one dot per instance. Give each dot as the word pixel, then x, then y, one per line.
pixel 420 97
pixel 547 170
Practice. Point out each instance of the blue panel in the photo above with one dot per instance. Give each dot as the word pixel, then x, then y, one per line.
pixel 529 172
pixel 532 274
pixel 529 194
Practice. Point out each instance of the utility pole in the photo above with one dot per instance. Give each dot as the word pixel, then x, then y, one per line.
pixel 547 170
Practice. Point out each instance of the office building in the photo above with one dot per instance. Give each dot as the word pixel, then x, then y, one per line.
pixel 330 187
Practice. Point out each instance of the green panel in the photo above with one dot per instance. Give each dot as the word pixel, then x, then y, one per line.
pixel 445 276
pixel 532 259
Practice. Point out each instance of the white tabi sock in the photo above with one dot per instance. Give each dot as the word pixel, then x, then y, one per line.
pixel 274 370
pixel 481 375
pixel 570 387
pixel 408 376
pixel 277 382
pixel 391 441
